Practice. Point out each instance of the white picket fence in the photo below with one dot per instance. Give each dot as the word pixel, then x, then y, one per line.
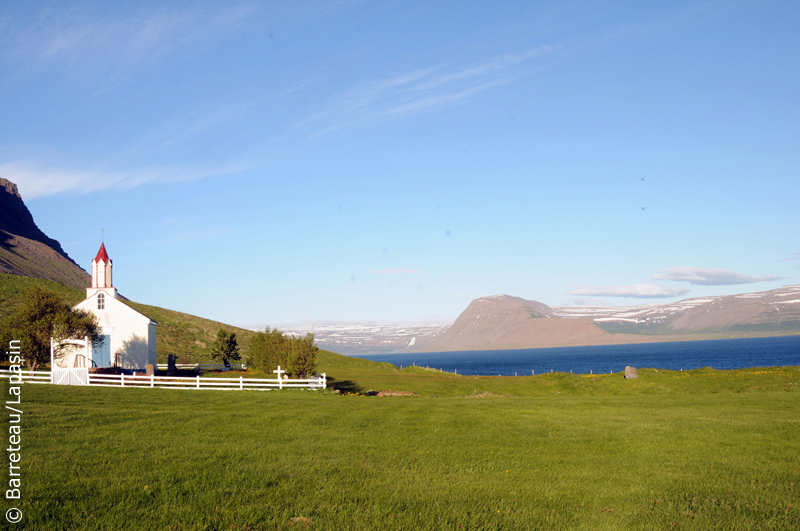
pixel 71 376
pixel 168 382
pixel 27 376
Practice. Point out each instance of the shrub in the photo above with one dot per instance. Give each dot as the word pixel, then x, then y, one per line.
pixel 296 355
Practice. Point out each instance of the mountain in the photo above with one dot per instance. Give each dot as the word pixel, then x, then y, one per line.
pixel 769 312
pixel 27 251
pixel 505 322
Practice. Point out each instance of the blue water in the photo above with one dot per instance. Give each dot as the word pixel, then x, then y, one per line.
pixel 719 354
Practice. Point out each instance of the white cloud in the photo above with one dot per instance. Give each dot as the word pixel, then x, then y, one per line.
pixel 709 277
pixel 638 291
pixel 423 89
pixel 395 271
pixel 796 257
pixel 35 181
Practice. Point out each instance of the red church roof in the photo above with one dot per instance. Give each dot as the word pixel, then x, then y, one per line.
pixel 102 254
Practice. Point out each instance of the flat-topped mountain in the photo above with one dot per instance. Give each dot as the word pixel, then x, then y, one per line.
pixel 505 322
pixel 27 251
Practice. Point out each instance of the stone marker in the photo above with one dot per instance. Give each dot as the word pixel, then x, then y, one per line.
pixel 150 370
pixel 630 372
pixel 171 369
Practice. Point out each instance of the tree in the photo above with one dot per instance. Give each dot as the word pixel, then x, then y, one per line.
pixel 268 350
pixel 225 348
pixel 302 362
pixel 41 315
pixel 296 355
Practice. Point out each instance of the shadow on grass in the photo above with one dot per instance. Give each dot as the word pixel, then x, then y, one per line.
pixel 345 386
pixel 181 373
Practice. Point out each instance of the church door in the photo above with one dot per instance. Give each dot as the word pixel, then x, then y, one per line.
pixel 101 352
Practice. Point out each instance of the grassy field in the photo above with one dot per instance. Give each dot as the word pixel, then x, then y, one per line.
pixel 672 450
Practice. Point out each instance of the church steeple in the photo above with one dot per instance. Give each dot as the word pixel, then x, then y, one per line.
pixel 101 274
pixel 101 269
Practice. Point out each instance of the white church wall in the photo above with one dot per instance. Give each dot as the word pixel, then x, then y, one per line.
pixel 131 332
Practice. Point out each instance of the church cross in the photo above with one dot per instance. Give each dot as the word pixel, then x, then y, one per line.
pixel 280 382
pixel 103 239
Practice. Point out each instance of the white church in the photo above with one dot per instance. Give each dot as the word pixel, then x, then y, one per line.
pixel 129 337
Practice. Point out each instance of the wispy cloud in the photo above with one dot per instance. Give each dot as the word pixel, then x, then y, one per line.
pixel 127 167
pixel 638 291
pixel 395 271
pixel 193 124
pixel 83 42
pixel 423 89
pixel 796 257
pixel 35 181
pixel 709 277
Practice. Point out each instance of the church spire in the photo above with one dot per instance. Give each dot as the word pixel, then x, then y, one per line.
pixel 101 269
pixel 102 254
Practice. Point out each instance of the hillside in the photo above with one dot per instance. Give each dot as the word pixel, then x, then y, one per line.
pixel 187 336
pixel 11 286
pixel 27 251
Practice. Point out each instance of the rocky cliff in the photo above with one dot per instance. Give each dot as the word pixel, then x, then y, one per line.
pixel 27 251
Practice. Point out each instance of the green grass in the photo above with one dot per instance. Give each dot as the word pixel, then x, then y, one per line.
pixel 701 449
pixel 687 450
pixel 359 376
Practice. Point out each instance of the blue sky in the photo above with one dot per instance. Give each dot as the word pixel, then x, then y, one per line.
pixel 272 162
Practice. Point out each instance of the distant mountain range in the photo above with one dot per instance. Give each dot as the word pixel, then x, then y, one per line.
pixel 505 322
pixel 356 339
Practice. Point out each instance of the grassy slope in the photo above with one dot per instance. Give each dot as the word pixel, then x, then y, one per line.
pixel 429 382
pixel 11 286
pixel 711 450
pixel 187 336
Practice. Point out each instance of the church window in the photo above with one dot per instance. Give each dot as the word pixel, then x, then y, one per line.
pixel 101 301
